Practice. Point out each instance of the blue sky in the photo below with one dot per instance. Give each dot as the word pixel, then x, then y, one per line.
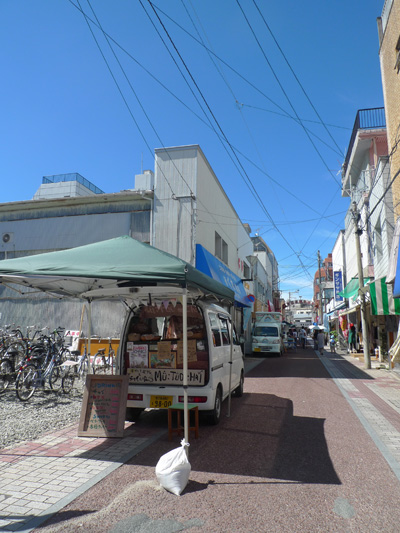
pixel 255 94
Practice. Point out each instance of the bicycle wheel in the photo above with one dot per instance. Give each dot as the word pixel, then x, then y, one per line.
pixel 16 350
pixel 27 382
pixel 83 372
pixel 67 382
pixel 103 368
pixel 6 373
pixel 55 378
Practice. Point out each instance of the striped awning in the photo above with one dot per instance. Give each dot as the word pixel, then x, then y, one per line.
pixel 352 288
pixel 382 301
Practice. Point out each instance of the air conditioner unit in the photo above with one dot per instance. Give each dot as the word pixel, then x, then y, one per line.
pixel 7 237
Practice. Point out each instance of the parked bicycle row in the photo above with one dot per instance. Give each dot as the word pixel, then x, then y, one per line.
pixel 40 359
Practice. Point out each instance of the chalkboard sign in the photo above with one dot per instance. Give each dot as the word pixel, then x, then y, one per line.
pixel 103 406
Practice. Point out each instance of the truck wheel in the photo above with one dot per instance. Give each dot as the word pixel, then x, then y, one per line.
pixel 215 414
pixel 133 413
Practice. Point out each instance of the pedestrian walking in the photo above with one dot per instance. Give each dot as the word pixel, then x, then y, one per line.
pixel 321 341
pixel 315 338
pixel 332 343
pixel 352 339
pixel 303 337
pixel 295 336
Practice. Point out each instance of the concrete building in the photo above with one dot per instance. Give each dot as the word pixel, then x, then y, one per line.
pixel 266 297
pixel 299 312
pixel 368 144
pixel 389 55
pixel 323 289
pixel 180 208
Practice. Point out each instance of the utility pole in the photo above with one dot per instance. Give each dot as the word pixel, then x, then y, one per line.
pixel 321 315
pixel 364 324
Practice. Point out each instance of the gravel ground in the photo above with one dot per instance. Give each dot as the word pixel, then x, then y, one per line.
pixel 44 412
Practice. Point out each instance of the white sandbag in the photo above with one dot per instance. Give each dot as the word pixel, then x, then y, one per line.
pixel 173 469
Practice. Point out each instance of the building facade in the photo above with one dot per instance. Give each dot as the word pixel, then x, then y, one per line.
pixel 389 55
pixel 180 208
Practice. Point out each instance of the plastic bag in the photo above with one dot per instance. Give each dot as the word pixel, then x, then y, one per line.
pixel 173 469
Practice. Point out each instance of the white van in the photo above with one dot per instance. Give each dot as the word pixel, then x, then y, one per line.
pixel 151 353
pixel 266 336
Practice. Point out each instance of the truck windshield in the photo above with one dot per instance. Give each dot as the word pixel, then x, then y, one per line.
pixel 266 331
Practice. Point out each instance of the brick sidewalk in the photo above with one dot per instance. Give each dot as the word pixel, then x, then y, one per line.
pixel 374 395
pixel 39 478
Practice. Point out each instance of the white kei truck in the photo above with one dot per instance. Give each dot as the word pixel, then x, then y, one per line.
pixel 267 330
pixel 151 354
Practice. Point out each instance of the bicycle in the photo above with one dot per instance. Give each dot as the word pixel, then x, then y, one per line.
pixel 107 361
pixel 13 352
pixel 41 367
pixel 76 368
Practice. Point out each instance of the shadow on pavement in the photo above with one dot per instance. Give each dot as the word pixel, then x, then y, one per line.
pixel 261 438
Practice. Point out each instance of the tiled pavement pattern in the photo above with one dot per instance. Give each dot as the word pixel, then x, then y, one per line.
pixel 38 478
pixel 374 396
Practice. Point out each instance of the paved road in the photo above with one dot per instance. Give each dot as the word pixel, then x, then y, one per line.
pixel 313 446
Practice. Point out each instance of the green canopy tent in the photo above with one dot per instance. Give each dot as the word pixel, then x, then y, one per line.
pixel 121 268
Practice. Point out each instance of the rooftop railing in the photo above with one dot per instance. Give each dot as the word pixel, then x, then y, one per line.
pixel 366 119
pixel 61 178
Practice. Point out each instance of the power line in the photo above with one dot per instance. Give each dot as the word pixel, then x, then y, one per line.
pixel 296 78
pixel 285 93
pixel 248 180
pixel 207 123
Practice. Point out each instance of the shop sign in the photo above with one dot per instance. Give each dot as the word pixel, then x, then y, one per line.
pixel 338 285
pixel 164 376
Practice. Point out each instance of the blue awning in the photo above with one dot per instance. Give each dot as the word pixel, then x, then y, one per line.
pixel 216 269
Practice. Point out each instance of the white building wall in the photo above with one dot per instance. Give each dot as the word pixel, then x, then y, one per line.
pixel 337 254
pixel 62 190
pixel 48 234
pixel 215 213
pixel 382 219
pixel 174 203
pixel 190 205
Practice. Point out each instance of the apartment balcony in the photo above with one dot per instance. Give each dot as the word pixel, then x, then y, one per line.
pixel 369 124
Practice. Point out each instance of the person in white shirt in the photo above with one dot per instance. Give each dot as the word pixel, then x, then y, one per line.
pixel 303 337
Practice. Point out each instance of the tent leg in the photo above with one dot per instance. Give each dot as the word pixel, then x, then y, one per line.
pixel 185 369
pixel 89 334
pixel 230 365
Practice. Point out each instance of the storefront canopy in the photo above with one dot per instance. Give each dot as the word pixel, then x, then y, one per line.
pixel 351 288
pixel 217 270
pixel 107 268
pixel 382 301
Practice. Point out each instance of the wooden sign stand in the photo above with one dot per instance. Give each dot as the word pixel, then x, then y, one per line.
pixel 103 406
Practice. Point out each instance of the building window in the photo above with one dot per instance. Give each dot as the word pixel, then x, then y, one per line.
pixel 397 64
pixel 246 271
pixel 378 253
pixel 221 248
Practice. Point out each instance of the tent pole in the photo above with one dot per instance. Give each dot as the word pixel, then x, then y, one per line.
pixel 89 333
pixel 185 368
pixel 230 361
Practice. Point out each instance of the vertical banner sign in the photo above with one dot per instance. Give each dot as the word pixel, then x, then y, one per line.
pixel 338 285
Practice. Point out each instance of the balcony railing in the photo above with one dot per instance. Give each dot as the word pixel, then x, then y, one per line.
pixel 366 119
